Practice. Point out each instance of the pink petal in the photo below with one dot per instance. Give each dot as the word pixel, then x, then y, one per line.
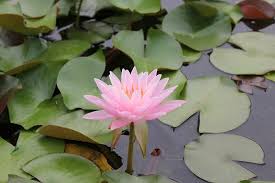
pixel 164 109
pixel 103 87
pixel 114 80
pixel 94 100
pixel 152 74
pixel 119 124
pixel 98 115
pixel 161 85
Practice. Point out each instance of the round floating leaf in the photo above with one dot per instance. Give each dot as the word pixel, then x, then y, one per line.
pixel 76 79
pixel 270 76
pixel 222 107
pixel 25 25
pixel 56 168
pixel 190 55
pixel 46 111
pixel 90 7
pixel 8 85
pixel 248 181
pixel 35 8
pixel 29 146
pixel 72 126
pixel 16 179
pixel 38 85
pixel 219 152
pixel 15 56
pixel 176 78
pixel 252 59
pixel 160 52
pixel 141 6
pixel 198 25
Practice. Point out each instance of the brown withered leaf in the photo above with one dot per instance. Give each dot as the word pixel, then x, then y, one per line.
pixel 97 157
pixel 257 9
pixel 246 83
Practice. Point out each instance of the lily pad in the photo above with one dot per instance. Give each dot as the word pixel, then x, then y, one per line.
pixel 160 52
pixel 222 107
pixel 198 25
pixel 234 11
pixel 17 179
pixel 29 146
pixel 140 6
pixel 36 8
pixel 190 55
pixel 15 56
pixel 8 85
pixel 220 151
pixel 46 111
pixel 248 181
pixel 270 76
pixel 90 7
pixel 72 126
pixel 21 24
pixel 38 85
pixel 176 78
pixel 56 168
pixel 76 79
pixel 252 59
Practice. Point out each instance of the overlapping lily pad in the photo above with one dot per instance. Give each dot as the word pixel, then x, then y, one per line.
pixel 198 25
pixel 22 24
pixel 256 56
pixel 270 76
pixel 141 6
pixel 72 126
pixel 56 168
pixel 29 146
pixel 35 8
pixel 222 107
pixel 76 79
pixel 17 179
pixel 212 157
pixel 38 85
pixel 160 52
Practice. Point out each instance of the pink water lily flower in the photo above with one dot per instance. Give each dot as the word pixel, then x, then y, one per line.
pixel 136 98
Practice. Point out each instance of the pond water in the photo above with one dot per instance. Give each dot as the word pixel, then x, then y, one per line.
pixel 260 127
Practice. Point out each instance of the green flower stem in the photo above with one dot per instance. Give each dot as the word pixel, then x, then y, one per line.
pixel 129 169
pixel 77 22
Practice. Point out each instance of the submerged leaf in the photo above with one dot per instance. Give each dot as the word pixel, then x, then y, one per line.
pixel 246 83
pixel 160 52
pixel 198 25
pixel 222 108
pixel 220 151
pixel 252 59
pixel 29 146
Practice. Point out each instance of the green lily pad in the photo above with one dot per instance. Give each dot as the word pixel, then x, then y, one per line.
pixel 270 76
pixel 176 78
pixel 15 56
pixel 35 8
pixel 96 32
pixel 38 85
pixel 190 55
pixel 248 181
pixel 76 79
pixel 65 6
pixel 59 51
pixel 56 168
pixel 160 52
pixel 90 7
pixel 252 59
pixel 222 107
pixel 17 179
pixel 29 146
pixel 198 25
pixel 46 111
pixel 8 85
pixel 220 151
pixel 21 24
pixel 234 11
pixel 140 6
pixel 72 126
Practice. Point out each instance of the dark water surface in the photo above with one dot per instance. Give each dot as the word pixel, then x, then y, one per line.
pixel 260 127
